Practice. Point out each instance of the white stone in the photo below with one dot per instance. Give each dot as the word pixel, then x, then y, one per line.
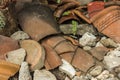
pixel 96 71
pixel 111 62
pixel 43 75
pixel 16 56
pixel 20 35
pixel 94 78
pixel 67 68
pixel 114 53
pixel 87 39
pixel 24 73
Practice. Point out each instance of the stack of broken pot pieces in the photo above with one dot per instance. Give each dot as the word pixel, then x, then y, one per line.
pixel 46 47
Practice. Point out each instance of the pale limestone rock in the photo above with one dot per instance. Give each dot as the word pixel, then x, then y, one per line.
pixel 87 39
pixel 96 71
pixel 24 73
pixel 43 75
pixel 67 68
pixel 16 56
pixel 20 35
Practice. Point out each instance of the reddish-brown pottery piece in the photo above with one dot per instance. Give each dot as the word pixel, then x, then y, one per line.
pixel 7 69
pixel 37 20
pixel 7 44
pixel 95 7
pixel 107 22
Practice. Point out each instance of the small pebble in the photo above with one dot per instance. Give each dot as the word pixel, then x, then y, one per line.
pixel 67 68
pixel 20 35
pixel 96 71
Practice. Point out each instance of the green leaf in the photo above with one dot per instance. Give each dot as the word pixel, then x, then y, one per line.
pixel 74 27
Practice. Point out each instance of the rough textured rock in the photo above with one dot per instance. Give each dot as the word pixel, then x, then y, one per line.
pixel 43 75
pixel 87 39
pixel 99 52
pixel 7 44
pixel 67 68
pixel 106 75
pixel 85 1
pixel 16 56
pixel 87 48
pixel 112 59
pixel 82 60
pixel 24 73
pixel 96 71
pixel 108 42
pixel 20 35
pixel 35 53
pixel 81 29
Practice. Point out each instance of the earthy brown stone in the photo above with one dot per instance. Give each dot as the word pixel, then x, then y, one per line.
pixel 52 59
pixel 35 53
pixel 82 60
pixel 7 44
pixel 99 52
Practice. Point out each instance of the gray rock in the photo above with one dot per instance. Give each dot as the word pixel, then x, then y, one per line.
pixel 67 68
pixel 43 75
pixel 107 42
pixel 87 39
pixel 99 44
pixel 81 29
pixel 67 78
pixel 24 73
pixel 16 56
pixel 83 2
pixel 96 71
pixel 20 35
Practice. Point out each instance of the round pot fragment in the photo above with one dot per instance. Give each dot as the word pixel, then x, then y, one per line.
pixel 37 20
pixel 107 22
pixel 35 53
pixel 7 69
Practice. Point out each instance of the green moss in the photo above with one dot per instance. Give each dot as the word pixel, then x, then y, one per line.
pixel 2 21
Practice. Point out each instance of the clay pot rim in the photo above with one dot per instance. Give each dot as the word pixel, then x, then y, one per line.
pixel 104 12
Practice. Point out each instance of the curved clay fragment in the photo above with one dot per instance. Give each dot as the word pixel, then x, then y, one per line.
pixel 107 22
pixel 35 53
pixel 7 69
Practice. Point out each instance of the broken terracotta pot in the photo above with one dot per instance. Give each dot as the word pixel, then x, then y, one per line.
pixel 35 53
pixel 37 20
pixel 7 44
pixel 95 7
pixel 108 22
pixel 7 69
pixel 58 47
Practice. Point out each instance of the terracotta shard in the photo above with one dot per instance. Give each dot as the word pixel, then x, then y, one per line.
pixel 99 52
pixel 107 22
pixel 67 56
pixel 35 53
pixel 7 44
pixel 37 20
pixel 95 7
pixel 82 60
pixel 7 69
pixel 52 59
